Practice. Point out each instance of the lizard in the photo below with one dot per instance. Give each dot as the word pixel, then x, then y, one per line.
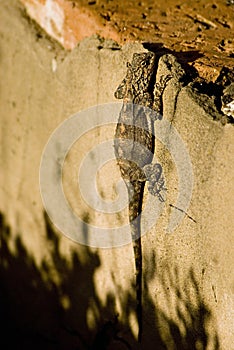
pixel 134 147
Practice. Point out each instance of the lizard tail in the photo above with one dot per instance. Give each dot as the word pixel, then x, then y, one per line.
pixel 136 191
pixel 138 264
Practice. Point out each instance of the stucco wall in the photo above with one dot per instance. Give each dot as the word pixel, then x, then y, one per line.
pixel 56 291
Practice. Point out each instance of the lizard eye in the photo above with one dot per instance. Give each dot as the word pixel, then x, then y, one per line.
pixel 143 64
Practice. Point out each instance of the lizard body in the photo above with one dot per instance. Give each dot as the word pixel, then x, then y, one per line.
pixel 134 147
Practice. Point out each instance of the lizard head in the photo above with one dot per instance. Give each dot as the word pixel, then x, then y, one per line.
pixel 142 69
pixel 139 75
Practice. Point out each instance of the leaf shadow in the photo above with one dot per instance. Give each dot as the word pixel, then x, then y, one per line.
pixel 54 304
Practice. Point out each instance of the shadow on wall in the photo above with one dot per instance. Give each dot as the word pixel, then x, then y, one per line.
pixel 37 313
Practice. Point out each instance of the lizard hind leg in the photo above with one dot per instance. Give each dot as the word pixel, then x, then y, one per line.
pixel 155 178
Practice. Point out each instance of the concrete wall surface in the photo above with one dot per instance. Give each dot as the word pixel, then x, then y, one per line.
pixel 59 294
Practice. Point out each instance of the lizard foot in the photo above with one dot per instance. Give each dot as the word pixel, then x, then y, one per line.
pixel 154 175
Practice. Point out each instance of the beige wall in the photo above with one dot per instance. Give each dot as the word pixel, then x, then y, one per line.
pixel 53 285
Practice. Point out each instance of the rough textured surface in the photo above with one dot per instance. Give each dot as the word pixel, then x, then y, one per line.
pixel 202 30
pixel 56 294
